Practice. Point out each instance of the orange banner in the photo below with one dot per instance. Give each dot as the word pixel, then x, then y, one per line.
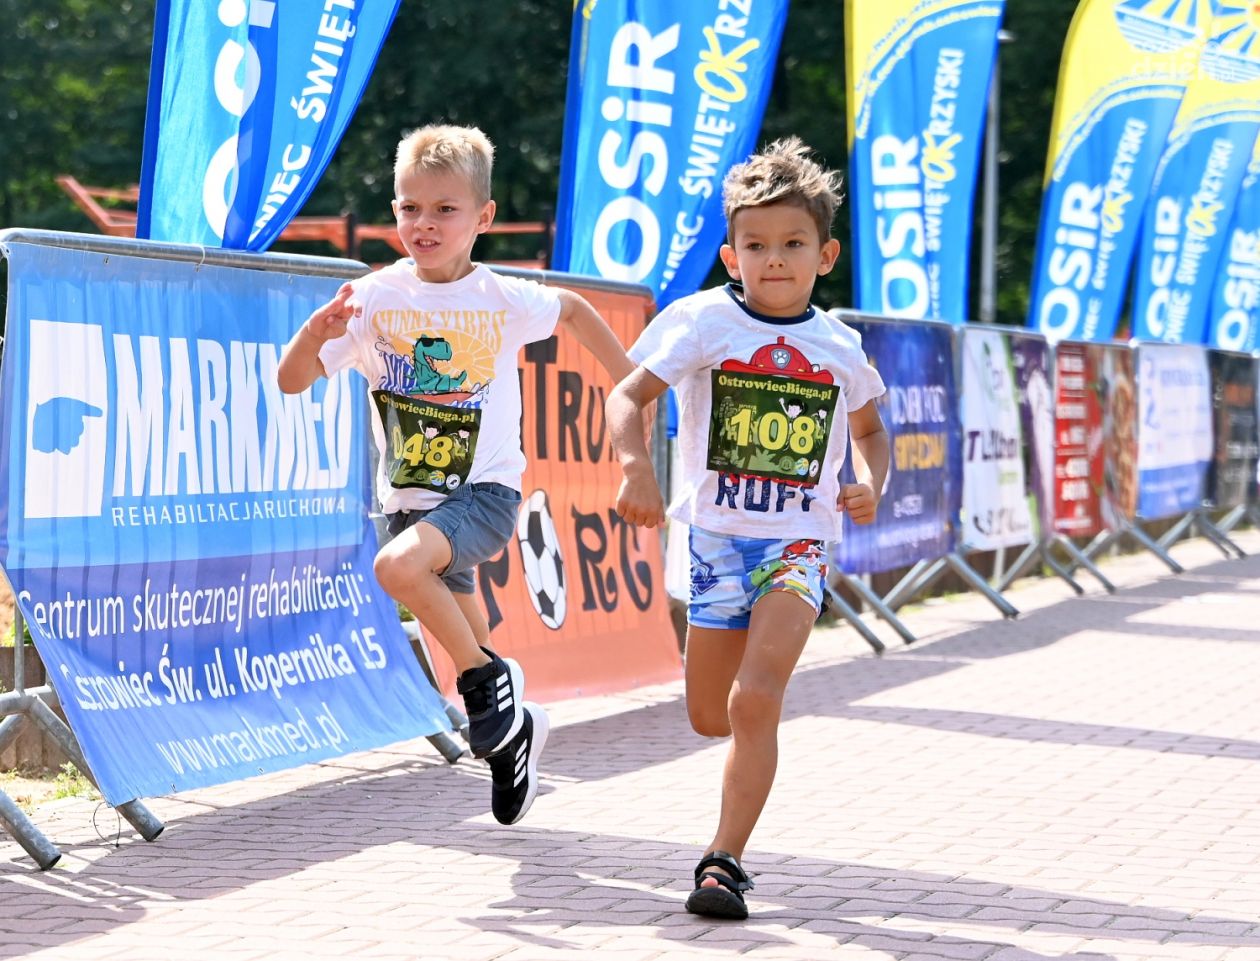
pixel 578 596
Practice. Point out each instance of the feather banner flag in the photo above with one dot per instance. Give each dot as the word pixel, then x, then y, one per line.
pixel 663 99
pixel 248 100
pixel 1126 64
pixel 918 75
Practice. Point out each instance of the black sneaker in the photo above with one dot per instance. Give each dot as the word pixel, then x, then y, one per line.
pixel 514 770
pixel 492 700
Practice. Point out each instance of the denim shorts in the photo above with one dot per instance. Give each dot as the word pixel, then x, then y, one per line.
pixel 730 573
pixel 477 519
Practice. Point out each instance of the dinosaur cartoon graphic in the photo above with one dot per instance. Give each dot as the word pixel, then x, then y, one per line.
pixel 429 380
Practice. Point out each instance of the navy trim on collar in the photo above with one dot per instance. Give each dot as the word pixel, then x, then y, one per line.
pixel 736 292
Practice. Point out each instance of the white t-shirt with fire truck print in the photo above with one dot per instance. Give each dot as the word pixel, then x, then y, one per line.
pixel 763 405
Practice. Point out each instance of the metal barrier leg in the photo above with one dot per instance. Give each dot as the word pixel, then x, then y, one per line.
pixel 892 598
pixel 908 589
pixel 967 573
pixel 446 745
pixel 137 815
pixel 26 834
pixel 1216 535
pixel 1058 568
pixel 1231 520
pixel 1080 560
pixel 1177 531
pixel 1102 540
pixel 1017 569
pixel 853 617
pixel 1148 542
pixel 880 608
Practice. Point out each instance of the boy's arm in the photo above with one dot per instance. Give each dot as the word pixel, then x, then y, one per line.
pixel 870 464
pixel 579 318
pixel 300 365
pixel 639 499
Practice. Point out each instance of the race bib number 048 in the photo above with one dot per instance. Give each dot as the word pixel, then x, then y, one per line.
pixel 426 445
pixel 768 426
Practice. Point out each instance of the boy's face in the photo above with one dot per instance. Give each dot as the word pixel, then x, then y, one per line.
pixel 439 218
pixel 776 255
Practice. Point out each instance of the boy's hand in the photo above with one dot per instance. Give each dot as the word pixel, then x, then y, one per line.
pixel 859 500
pixel 329 322
pixel 639 500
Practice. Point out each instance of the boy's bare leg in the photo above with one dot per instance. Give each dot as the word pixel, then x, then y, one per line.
pixel 407 570
pixel 476 619
pixel 777 633
pixel 712 660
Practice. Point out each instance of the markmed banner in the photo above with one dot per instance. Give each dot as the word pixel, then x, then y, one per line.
pixel 1196 184
pixel 189 547
pixel 1234 317
pixel 995 496
pixel 1124 72
pixel 918 76
pixel 247 103
pixel 918 513
pixel 663 99
pixel 1236 433
pixel 1174 429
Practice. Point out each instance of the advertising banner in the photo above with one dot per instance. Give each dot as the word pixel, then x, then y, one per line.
pixel 578 596
pixel 1118 379
pixel 663 99
pixel 1032 362
pixel 1236 437
pixel 1125 67
pixel 1174 429
pixel 1196 184
pixel 1078 433
pixel 995 494
pixel 918 84
pixel 247 103
pixel 918 513
pixel 1234 316
pixel 191 548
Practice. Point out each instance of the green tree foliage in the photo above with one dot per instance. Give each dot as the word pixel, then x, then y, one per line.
pixel 75 74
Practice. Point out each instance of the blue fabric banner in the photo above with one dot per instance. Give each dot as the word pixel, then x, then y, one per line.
pixel 919 77
pixel 1174 428
pixel 1126 64
pixel 663 99
pixel 918 515
pixel 247 103
pixel 1234 316
pixel 1196 184
pixel 191 548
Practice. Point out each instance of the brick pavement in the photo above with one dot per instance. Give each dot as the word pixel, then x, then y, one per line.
pixel 1081 783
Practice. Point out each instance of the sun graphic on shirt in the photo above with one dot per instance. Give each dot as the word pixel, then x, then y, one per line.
pixel 468 355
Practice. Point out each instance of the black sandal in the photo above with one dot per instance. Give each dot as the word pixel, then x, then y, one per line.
pixel 726 898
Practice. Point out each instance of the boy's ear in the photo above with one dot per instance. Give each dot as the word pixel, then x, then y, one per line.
pixel 487 217
pixel 730 261
pixel 829 255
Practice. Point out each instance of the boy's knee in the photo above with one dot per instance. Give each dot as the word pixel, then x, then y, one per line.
pixel 754 705
pixel 709 723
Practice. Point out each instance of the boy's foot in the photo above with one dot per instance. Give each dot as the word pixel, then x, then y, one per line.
pixel 492 699
pixel 720 885
pixel 514 770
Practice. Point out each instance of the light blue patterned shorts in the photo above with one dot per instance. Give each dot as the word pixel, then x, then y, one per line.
pixel 730 573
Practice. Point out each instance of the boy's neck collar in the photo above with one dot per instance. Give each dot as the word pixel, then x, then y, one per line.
pixel 736 293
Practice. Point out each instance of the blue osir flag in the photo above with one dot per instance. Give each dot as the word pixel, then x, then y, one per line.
pixel 1184 230
pixel 919 77
pixel 1234 315
pixel 663 99
pixel 248 99
pixel 1125 67
pixel 191 548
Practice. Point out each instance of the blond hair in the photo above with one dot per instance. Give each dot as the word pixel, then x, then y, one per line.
pixel 439 147
pixel 783 173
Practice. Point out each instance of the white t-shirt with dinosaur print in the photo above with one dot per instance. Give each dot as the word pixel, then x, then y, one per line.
pixel 440 361
pixel 763 405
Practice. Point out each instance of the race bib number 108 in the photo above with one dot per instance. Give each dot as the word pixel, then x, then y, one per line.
pixel 768 426
pixel 426 445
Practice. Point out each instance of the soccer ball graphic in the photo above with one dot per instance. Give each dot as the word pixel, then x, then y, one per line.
pixel 541 558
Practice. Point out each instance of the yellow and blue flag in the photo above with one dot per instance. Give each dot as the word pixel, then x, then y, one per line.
pixel 1184 229
pixel 1126 64
pixel 918 75
pixel 1234 315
